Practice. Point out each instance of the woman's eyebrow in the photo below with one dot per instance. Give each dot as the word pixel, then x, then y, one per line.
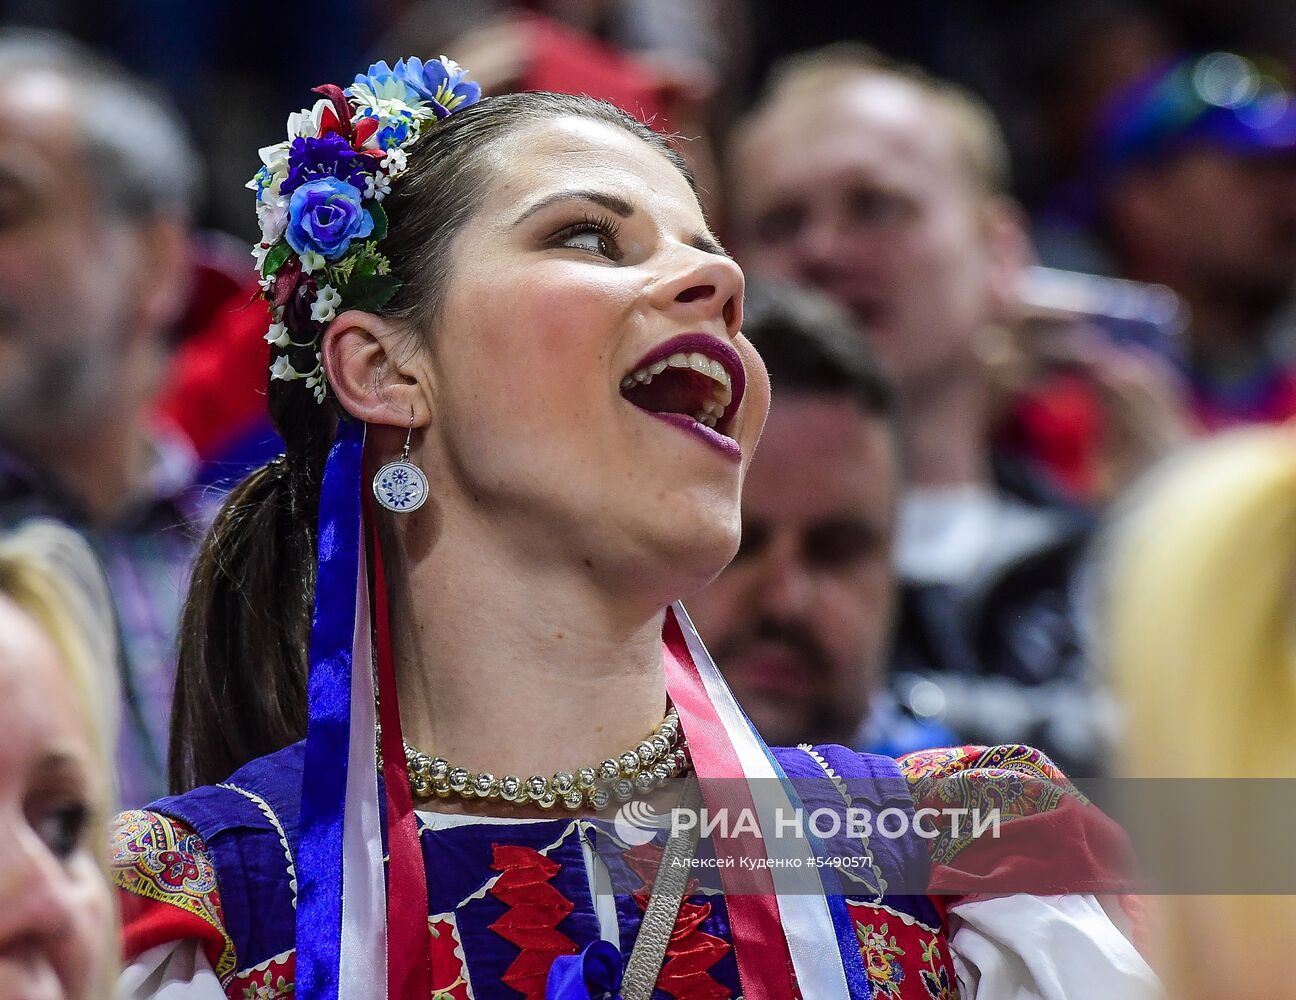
pixel 57 769
pixel 611 202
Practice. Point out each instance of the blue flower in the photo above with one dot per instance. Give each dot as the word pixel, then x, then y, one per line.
pixel 330 155
pixel 441 81
pixel 385 83
pixel 261 179
pixel 325 215
pixel 393 130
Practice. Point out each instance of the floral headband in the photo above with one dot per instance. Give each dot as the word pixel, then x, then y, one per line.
pixel 319 201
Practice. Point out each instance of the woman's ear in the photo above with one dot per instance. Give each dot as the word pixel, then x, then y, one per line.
pixel 372 371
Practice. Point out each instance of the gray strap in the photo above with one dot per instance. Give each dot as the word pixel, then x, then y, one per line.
pixel 659 917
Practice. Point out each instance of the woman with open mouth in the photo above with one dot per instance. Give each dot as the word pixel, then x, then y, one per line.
pixel 517 406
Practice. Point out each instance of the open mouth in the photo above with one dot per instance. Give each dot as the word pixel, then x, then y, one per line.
pixel 694 376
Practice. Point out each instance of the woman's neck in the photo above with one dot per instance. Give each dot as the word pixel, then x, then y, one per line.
pixel 947 441
pixel 505 668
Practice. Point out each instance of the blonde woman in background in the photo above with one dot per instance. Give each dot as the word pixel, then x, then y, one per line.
pixel 1201 625
pixel 57 734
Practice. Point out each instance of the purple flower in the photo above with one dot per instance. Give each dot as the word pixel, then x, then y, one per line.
pixel 441 81
pixel 328 156
pixel 325 215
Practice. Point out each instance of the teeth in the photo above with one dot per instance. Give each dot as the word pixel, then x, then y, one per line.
pixel 713 410
pixel 713 370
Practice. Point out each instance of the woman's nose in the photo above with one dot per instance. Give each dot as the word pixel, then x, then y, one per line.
pixel 710 287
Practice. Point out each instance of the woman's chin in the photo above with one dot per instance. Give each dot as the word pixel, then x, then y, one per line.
pixel 692 559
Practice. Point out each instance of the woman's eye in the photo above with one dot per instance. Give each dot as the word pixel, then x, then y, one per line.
pixel 591 240
pixel 62 829
pixel 596 236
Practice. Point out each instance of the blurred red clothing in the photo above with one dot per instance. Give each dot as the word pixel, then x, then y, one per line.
pixel 1060 426
pixel 217 390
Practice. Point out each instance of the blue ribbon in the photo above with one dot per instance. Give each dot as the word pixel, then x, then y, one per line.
pixel 319 857
pixel 594 974
pixel 830 882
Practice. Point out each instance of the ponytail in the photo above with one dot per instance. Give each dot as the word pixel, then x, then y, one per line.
pixel 245 631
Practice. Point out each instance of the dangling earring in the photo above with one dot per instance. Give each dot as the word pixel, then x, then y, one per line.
pixel 401 485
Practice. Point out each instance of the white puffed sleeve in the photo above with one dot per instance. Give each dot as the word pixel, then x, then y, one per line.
pixel 177 970
pixel 1050 947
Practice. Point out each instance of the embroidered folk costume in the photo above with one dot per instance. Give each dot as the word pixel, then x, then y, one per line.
pixel 311 872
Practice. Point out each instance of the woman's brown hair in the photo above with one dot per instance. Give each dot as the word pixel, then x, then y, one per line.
pixel 245 632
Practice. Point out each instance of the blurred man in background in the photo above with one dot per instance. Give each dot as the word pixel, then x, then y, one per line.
pixel 1195 188
pixel 887 189
pixel 801 620
pixel 96 184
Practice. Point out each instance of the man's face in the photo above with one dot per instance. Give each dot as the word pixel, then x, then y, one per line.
pixel 1225 223
pixel 67 274
pixel 799 621
pixel 861 193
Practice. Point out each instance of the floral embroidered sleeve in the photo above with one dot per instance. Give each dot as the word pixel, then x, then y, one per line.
pixel 1009 821
pixel 1035 901
pixel 167 889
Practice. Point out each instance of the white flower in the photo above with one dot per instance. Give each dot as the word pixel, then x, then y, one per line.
pixel 277 335
pixel 388 102
pixel 316 380
pixel 306 122
pixel 267 283
pixel 377 186
pixel 325 306
pixel 394 162
pixel 273 217
pixel 311 261
pixel 274 171
pixel 281 369
pixel 259 251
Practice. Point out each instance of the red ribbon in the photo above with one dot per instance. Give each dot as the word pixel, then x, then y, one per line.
pixel 760 947
pixel 409 959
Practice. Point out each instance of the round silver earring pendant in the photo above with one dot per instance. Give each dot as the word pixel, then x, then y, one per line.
pixel 400 486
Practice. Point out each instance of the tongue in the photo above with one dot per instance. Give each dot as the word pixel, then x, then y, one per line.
pixel 676 390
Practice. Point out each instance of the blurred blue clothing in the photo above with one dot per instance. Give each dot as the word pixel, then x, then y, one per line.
pixel 891 731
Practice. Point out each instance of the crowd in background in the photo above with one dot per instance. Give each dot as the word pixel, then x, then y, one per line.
pixel 1005 261
pixel 919 197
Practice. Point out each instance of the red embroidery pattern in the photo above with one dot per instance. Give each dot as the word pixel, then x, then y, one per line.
pixel 271 980
pixel 449 970
pixel 923 768
pixel 1014 781
pixel 535 909
pixel 159 860
pixel 691 953
pixel 904 958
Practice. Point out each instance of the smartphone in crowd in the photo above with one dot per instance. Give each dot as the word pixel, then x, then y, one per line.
pixel 1061 307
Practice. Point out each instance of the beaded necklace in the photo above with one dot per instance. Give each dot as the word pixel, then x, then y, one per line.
pixel 650 765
